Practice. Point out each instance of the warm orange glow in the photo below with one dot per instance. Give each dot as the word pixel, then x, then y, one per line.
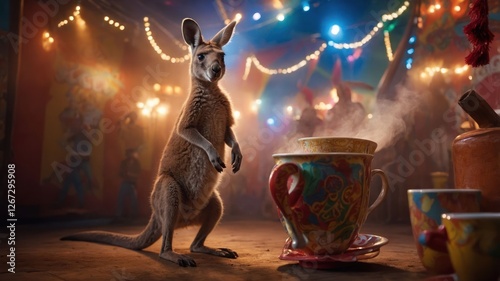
pixel 152 102
pixel 145 111
pixel 277 4
pixel 162 110
pixel 238 17
pixel 236 114
pixel 334 95
pixel 323 106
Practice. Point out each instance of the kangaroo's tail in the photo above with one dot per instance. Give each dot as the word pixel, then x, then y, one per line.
pixel 146 238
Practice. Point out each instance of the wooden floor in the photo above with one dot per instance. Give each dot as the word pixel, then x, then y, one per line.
pixel 40 255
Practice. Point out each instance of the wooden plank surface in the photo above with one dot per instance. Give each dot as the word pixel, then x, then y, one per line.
pixel 41 256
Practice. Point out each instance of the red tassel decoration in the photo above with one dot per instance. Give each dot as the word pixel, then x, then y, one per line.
pixel 478 34
pixel 478 56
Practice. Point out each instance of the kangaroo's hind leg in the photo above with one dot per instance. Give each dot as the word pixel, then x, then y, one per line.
pixel 208 218
pixel 166 201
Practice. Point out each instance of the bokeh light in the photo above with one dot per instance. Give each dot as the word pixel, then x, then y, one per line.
pixel 306 7
pixel 335 29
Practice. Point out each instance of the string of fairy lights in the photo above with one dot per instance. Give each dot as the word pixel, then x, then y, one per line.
pixel 388 48
pixel 158 50
pixel 71 18
pixel 252 59
pixel 375 29
pixel 75 17
pixel 430 71
pixel 386 17
pixel 114 23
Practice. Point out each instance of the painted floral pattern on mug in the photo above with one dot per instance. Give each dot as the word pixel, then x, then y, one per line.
pixel 328 202
pixel 474 246
pixel 426 208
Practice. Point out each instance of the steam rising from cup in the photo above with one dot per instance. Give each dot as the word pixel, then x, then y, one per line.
pixel 388 122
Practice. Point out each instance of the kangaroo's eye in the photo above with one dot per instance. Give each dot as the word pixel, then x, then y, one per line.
pixel 201 57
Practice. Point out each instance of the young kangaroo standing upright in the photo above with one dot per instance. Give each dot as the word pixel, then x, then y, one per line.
pixel 185 189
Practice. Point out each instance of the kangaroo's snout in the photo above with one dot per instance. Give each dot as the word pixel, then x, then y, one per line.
pixel 216 68
pixel 215 71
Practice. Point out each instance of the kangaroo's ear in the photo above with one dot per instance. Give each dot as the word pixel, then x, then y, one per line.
pixel 223 36
pixel 191 32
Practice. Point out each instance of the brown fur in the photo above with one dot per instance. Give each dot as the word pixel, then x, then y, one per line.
pixel 185 190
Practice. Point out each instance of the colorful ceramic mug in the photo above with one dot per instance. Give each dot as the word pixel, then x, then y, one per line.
pixel 323 198
pixel 337 144
pixel 426 207
pixel 473 243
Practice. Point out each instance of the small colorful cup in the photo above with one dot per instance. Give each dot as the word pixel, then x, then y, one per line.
pixel 426 207
pixel 473 243
pixel 439 179
pixel 323 198
pixel 337 144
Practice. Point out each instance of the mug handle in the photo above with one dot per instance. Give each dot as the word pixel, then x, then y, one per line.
pixel 285 200
pixel 383 192
pixel 434 239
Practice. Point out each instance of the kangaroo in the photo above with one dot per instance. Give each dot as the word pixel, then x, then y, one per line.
pixel 185 191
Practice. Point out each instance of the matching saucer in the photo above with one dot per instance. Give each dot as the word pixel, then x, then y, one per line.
pixel 366 246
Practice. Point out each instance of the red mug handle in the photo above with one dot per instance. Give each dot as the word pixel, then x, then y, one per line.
pixel 435 239
pixel 286 200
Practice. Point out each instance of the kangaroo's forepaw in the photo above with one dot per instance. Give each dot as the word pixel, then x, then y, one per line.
pixel 181 260
pixel 221 252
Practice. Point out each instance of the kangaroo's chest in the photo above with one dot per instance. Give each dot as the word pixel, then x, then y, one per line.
pixel 214 121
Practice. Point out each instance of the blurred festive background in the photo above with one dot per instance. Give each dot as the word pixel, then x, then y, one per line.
pixel 84 84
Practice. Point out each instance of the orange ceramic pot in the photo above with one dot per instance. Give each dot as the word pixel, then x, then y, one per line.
pixel 476 164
